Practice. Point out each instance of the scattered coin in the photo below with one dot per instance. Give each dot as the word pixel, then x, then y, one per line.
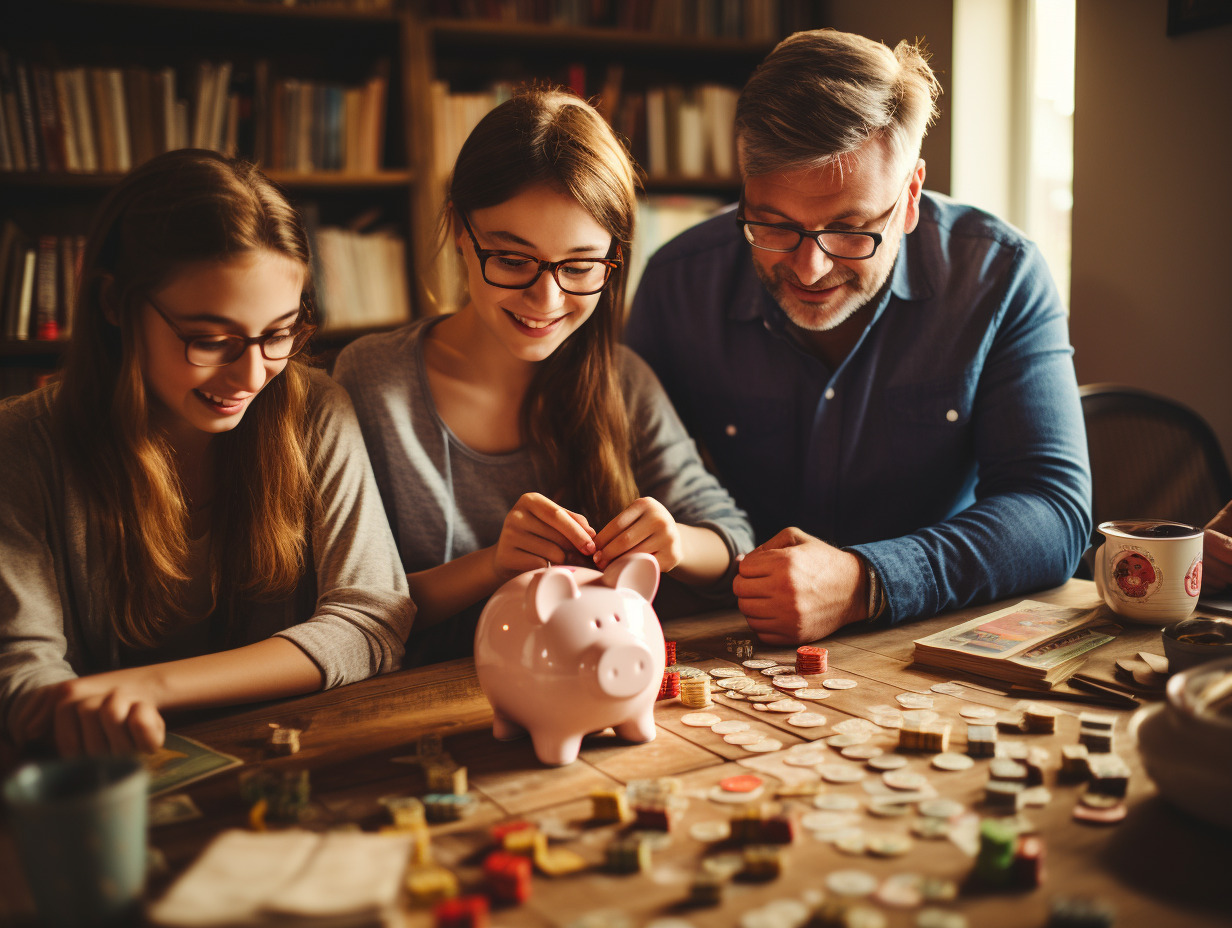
pixel 840 773
pixel 939 889
pixel 888 845
pixel 855 726
pixel 941 808
pixel 839 683
pixel 920 716
pixel 978 712
pixel 731 694
pixel 786 705
pixel 887 762
pixel 904 779
pixel 889 721
pixel 846 740
pixel 836 802
pixel 948 689
pixel 1036 796
pixel 914 701
pixel 932 829
pixel 761 689
pixel 887 807
pixel 726 672
pixel 765 746
pixel 1157 662
pixel 743 737
pixel 700 719
pixel 813 692
pixel 806 720
pixel 809 755
pixel 712 830
pixel 851 883
pixel 761 707
pixel 758 663
pixel 790 681
pixel 826 821
pixel 940 918
pixel 860 751
pixel 724 865
pixel 735 683
pixel 901 891
pixel 952 761
pixel 778 670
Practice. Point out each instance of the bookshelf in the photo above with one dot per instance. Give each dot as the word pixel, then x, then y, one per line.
pixel 316 94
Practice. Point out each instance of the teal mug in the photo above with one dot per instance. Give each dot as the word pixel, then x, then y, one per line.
pixel 80 830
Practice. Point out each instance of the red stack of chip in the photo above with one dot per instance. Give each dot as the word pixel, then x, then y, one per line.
pixel 670 648
pixel 508 876
pixel 462 912
pixel 670 687
pixel 811 659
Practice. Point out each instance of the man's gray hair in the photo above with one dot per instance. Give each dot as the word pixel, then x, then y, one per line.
pixel 820 95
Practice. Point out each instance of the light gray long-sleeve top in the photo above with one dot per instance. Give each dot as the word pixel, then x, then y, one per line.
pixel 350 613
pixel 445 500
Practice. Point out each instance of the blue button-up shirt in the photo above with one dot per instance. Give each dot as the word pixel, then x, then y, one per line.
pixel 947 449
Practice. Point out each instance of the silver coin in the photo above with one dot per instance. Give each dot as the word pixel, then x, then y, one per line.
pixel 761 689
pixel 951 761
pixel 839 683
pixel 763 697
pixel 802 759
pixel 826 821
pixel 855 727
pixel 941 808
pixel 840 773
pixel 700 719
pixel 914 701
pixel 760 707
pixel 743 737
pixel 889 845
pixel 836 802
pixel 713 830
pixel 758 663
pixel 887 762
pixel 790 681
pixel 731 694
pixel 806 720
pixel 851 883
pixel 1037 796
pixel 846 740
pixel 786 705
pixel 920 716
pixel 813 692
pixel 778 670
pixel 888 721
pixel 688 673
pixel 948 689
pixel 887 807
pixel 765 746
pixel 901 891
pixel 904 779
pixel 734 683
pixel 978 712
pixel 850 842
pixel 932 829
pixel 727 672
pixel 940 918
pixel 730 726
pixel 860 751
pixel 723 865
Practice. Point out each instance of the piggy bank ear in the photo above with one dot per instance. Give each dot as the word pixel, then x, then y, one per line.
pixel 638 572
pixel 553 587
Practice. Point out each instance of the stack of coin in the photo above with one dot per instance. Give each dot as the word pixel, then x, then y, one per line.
pixel 695 692
pixel 811 659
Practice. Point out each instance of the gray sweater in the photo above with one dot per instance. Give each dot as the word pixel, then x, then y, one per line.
pixel 446 500
pixel 350 614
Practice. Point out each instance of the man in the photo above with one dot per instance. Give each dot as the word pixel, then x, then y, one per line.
pixel 880 366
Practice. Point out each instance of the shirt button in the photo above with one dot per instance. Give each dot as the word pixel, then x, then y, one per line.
pixel 730 430
pixel 829 393
pixel 952 415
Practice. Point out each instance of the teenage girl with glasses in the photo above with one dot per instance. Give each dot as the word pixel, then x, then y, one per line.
pixel 189 516
pixel 518 432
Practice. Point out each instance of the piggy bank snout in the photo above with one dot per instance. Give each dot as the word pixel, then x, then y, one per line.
pixel 625 670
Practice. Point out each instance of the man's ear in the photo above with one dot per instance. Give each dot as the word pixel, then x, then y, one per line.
pixel 107 299
pixel 914 189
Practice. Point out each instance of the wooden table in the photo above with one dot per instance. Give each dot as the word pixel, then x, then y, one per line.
pixel 1158 867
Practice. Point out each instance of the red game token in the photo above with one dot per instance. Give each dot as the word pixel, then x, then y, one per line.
pixel 744 783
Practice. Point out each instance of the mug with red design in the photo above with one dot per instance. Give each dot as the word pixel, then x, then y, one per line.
pixel 1149 570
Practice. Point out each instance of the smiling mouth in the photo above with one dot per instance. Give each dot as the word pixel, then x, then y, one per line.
pixel 536 323
pixel 219 401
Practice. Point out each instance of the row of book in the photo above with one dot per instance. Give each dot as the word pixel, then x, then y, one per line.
pixel 105 119
pixel 752 20
pixel 672 131
pixel 361 274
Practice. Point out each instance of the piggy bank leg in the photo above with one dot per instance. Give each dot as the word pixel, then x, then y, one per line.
pixel 556 749
pixel 638 729
pixel 504 729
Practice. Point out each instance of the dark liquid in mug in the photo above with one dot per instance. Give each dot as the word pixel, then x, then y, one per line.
pixel 1163 531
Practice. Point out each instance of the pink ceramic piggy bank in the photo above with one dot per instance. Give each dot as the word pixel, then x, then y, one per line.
pixel 564 651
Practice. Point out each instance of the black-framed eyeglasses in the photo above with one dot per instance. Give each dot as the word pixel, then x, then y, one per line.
pixel 783 237
pixel 513 270
pixel 221 350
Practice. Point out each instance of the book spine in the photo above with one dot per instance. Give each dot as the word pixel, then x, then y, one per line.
pixel 108 159
pixel 29 119
pixel 46 325
pixel 119 118
pixel 21 330
pixel 83 119
pixel 50 128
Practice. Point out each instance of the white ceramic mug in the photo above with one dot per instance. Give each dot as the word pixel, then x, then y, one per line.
pixel 1149 570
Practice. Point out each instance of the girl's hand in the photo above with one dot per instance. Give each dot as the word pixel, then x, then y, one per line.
pixel 538 533
pixel 644 526
pixel 90 715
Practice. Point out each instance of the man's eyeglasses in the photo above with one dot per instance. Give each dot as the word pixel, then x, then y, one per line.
pixel 221 350
pixel 852 246
pixel 513 270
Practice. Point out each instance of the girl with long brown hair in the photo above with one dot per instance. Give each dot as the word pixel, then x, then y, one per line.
pixel 190 519
pixel 518 432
